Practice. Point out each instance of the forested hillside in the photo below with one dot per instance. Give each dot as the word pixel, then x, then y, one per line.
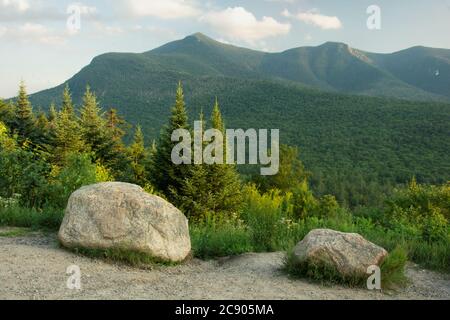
pixel 355 145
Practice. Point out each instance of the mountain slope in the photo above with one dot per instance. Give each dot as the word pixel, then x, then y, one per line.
pixel 351 142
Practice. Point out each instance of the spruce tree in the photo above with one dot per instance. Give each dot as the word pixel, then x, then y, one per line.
pixel 165 175
pixel 67 136
pixel 139 156
pixel 93 128
pixel 210 189
pixel 224 178
pixel 52 113
pixel 115 155
pixel 24 118
pixel 67 105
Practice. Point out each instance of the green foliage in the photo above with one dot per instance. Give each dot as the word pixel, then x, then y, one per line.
pixel 14 232
pixel 23 173
pixel 219 238
pixel 47 218
pixel 24 119
pixel 424 208
pixel 211 188
pixel 7 142
pixel 139 157
pixel 291 172
pixel 393 268
pixel 79 171
pixel 165 175
pixel 358 148
pixel 126 256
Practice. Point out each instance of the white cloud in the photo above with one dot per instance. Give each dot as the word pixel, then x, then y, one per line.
pixel 313 17
pixel 164 9
pixel 3 31
pixel 32 32
pixel 15 5
pixel 239 24
pixel 102 29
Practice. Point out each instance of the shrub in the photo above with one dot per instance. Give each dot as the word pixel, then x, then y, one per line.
pixel 47 218
pixel 212 238
pixel 263 213
pixel 393 269
pixel 79 171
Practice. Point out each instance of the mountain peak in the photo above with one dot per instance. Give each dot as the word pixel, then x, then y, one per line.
pixel 332 44
pixel 200 37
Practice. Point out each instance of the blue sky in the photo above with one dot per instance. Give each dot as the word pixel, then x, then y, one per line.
pixel 38 46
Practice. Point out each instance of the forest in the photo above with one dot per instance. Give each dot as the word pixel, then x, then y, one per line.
pixel 45 156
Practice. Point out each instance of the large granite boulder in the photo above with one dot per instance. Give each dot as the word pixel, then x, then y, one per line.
pixel 121 215
pixel 349 253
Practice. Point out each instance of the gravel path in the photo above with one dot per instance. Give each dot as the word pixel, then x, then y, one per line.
pixel 33 267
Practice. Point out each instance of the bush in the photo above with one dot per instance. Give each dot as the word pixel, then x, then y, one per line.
pixel 212 238
pixel 47 218
pixel 393 269
pixel 262 214
pixel 79 171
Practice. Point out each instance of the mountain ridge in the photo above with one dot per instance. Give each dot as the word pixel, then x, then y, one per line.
pixel 331 66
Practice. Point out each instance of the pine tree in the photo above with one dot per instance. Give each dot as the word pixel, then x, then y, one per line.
pixel 165 175
pixel 24 119
pixel 67 105
pixel 8 113
pixel 93 127
pixel 67 137
pixel 223 179
pixel 210 189
pixel 139 156
pixel 52 113
pixel 115 156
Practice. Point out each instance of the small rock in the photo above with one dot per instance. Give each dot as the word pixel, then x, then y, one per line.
pixel 349 253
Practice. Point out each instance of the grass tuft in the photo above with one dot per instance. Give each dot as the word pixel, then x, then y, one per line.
pixel 392 271
pixel 125 256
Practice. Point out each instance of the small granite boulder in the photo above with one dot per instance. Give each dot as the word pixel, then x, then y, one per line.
pixel 349 253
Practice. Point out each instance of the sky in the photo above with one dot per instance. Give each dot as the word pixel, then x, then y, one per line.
pixel 44 43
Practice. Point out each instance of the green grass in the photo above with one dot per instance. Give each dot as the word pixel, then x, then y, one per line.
pixel 219 240
pixel 125 256
pixel 14 232
pixel 393 269
pixel 46 219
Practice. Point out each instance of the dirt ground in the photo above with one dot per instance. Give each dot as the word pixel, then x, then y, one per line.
pixel 33 267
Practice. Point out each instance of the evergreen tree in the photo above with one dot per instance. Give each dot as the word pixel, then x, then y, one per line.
pixel 165 175
pixel 93 128
pixel 67 105
pixel 223 178
pixel 139 156
pixel 115 155
pixel 291 172
pixel 211 189
pixel 67 136
pixel 24 118
pixel 52 113
pixel 8 113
